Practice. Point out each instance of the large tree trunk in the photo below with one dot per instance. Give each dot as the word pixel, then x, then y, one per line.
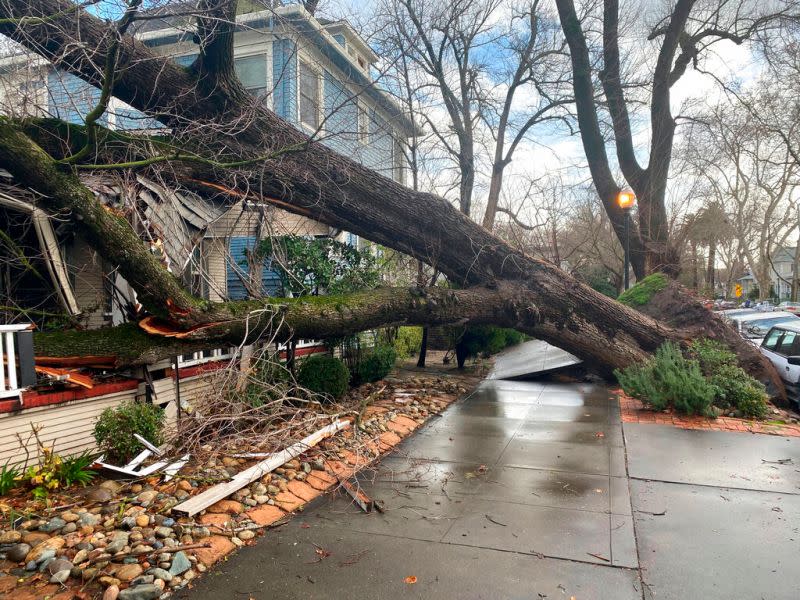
pixel 308 178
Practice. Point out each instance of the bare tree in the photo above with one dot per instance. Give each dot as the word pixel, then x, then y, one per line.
pixel 681 35
pixel 754 179
pixel 480 56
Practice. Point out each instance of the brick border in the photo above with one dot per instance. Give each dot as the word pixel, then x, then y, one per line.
pixel 633 411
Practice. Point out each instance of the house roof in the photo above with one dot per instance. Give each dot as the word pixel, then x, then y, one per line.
pixel 172 218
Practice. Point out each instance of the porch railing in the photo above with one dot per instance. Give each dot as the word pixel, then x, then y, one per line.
pixel 15 377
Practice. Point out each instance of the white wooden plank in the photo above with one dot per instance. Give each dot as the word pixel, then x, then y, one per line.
pixel 223 490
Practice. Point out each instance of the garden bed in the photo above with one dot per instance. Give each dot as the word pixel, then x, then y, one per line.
pixel 120 538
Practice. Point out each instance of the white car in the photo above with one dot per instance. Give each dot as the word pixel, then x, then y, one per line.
pixel 754 326
pixel 782 347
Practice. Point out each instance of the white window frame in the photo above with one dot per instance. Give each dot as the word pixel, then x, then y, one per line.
pixel 266 52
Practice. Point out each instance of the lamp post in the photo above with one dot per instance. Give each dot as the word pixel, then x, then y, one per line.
pixel 625 200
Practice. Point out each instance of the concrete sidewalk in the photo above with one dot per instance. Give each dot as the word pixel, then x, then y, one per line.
pixel 517 491
pixel 717 513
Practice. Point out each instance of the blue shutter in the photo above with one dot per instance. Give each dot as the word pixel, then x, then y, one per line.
pixel 238 264
pixel 284 77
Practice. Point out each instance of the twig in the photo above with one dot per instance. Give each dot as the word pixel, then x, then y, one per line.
pixel 495 521
pixel 598 556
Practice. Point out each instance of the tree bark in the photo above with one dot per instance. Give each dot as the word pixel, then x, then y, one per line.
pixel 315 181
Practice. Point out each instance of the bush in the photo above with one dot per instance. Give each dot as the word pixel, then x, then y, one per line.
pixel 376 365
pixel 408 341
pixel 736 389
pixel 324 374
pixel 711 355
pixel 115 428
pixel 669 380
pixel 485 340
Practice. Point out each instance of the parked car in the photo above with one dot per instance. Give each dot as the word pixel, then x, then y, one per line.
pixel 737 312
pixel 792 307
pixel 765 306
pixel 754 326
pixel 782 347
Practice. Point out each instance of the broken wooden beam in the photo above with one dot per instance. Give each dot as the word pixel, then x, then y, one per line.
pixel 223 490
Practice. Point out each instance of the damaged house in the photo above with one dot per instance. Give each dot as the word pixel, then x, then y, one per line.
pixel 314 73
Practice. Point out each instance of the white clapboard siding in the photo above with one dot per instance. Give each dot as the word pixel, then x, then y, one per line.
pixel 67 426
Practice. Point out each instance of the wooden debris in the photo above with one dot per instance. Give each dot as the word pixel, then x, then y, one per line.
pixel 363 501
pixel 202 501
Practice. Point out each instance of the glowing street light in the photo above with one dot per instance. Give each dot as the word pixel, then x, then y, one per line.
pixel 626 199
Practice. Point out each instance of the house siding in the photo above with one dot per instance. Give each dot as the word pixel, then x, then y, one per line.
pixel 68 427
pixel 284 77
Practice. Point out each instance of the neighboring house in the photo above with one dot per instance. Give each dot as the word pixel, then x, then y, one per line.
pixel 781 273
pixel 314 73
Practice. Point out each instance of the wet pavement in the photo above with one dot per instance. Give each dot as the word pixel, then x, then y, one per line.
pixel 521 491
pixel 517 491
pixel 717 513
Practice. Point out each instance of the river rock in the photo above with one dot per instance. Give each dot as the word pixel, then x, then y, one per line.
pixel 180 564
pixel 128 572
pixel 111 593
pixel 146 496
pixel 52 525
pixel 10 537
pixel 99 494
pixel 45 549
pixel 148 591
pixel 160 573
pixel 18 552
pixel 60 576
pixel 59 564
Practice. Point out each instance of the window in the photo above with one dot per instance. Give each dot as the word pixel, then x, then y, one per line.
pixel 309 95
pixel 252 72
pixel 786 344
pixel 772 339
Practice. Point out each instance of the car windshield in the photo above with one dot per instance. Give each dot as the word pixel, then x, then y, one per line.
pixel 758 328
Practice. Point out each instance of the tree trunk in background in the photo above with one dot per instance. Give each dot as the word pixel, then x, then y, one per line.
pixel 711 271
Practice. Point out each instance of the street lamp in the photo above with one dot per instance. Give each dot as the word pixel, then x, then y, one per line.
pixel 626 200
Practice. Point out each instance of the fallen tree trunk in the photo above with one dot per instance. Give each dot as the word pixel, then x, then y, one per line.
pixel 308 178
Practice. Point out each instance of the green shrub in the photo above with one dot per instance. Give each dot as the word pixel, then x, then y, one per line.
pixel 408 341
pixel 736 389
pixel 8 479
pixel 116 426
pixel 711 355
pixel 669 380
pixel 324 374
pixel 644 290
pixel 485 340
pixel 376 365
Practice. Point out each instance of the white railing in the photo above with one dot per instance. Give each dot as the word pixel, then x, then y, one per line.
pixel 8 368
pixel 204 356
pixel 300 344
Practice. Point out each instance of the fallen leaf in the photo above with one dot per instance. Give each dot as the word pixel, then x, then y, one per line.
pixel 411 579
pixel 600 434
